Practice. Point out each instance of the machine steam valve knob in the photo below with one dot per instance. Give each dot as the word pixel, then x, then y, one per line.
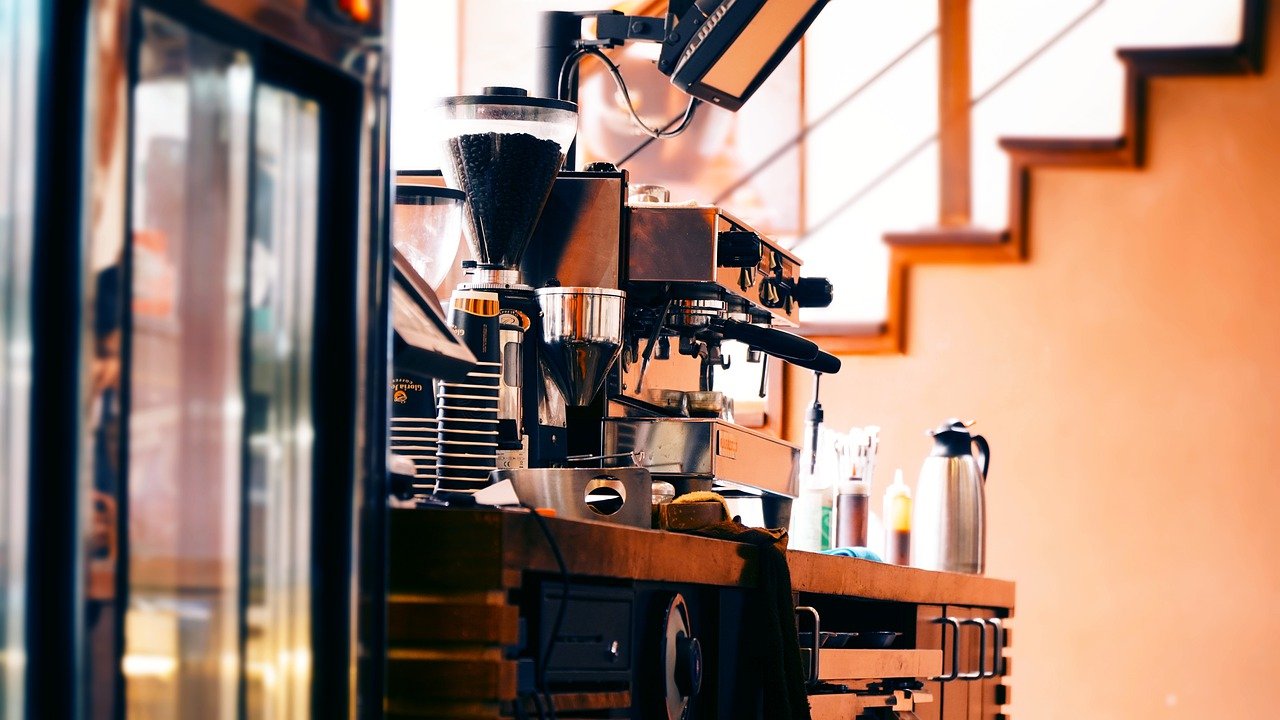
pixel 688 673
pixel 738 249
pixel 813 292
pixel 774 293
pixel 777 265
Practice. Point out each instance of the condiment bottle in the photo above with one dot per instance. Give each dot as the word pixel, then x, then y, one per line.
pixel 851 513
pixel 811 510
pixel 897 521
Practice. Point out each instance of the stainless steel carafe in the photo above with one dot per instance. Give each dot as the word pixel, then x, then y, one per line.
pixel 948 526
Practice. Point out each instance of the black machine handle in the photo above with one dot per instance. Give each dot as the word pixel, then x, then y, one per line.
pixel 984 453
pixel 781 344
pixel 739 249
pixel 824 363
pixel 777 343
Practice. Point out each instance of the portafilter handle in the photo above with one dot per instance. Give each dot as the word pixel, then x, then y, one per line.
pixel 824 363
pixel 780 344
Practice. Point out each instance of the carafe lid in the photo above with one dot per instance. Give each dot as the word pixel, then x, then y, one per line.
pixel 952 438
pixel 952 425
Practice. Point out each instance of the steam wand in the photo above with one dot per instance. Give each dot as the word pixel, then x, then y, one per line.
pixel 814 421
pixel 653 339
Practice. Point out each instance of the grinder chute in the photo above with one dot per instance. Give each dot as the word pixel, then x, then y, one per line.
pixel 582 334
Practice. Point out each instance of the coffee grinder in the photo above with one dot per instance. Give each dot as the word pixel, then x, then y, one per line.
pixel 504 149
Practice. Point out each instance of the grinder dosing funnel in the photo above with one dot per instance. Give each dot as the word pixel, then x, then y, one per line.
pixel 582 336
pixel 503 149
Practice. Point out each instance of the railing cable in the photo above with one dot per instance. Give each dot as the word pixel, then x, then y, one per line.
pixel 924 143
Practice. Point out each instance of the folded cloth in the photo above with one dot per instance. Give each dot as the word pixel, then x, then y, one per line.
pixel 857 552
pixel 771 617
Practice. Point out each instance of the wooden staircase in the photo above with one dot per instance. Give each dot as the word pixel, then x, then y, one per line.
pixel 957 243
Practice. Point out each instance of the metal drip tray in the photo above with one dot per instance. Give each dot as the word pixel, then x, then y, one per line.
pixel 709 448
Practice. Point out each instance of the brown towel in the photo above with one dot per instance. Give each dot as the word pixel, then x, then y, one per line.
pixel 771 611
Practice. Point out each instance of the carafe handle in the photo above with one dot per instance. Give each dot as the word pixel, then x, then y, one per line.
pixel 984 452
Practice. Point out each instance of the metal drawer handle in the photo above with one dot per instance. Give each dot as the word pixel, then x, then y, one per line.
pixel 997 649
pixel 981 672
pixel 955 648
pixel 817 642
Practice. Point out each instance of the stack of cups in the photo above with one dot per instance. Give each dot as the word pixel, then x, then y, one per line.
pixel 413 428
pixel 467 411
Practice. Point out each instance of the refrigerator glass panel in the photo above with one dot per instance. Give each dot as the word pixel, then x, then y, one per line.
pixel 19 43
pixel 106 161
pixel 190 171
pixel 281 310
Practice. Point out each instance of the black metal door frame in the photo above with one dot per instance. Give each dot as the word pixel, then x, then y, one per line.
pixel 353 273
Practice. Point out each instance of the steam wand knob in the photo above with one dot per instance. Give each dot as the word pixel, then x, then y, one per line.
pixel 813 292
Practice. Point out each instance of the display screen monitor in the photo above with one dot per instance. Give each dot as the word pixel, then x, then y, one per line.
pixel 740 42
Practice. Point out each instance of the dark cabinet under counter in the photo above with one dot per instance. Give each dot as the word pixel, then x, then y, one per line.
pixel 655 624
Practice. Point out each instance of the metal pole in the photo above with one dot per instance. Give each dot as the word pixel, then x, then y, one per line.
pixel 557 33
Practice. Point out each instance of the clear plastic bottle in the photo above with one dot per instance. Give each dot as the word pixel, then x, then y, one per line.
pixel 811 510
pixel 851 513
pixel 897 521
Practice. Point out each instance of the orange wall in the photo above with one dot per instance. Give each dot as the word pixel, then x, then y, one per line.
pixel 1128 378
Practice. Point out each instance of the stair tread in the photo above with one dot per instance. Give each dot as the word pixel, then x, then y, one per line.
pixel 1061 144
pixel 1204 60
pixel 947 236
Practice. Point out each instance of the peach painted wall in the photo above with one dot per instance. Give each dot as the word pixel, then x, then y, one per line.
pixel 1128 378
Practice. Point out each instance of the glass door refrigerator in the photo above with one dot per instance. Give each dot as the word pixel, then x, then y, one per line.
pixel 193 203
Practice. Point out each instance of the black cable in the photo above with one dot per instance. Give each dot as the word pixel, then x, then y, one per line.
pixel 519 709
pixel 566 68
pixel 569 66
pixel 649 140
pixel 555 626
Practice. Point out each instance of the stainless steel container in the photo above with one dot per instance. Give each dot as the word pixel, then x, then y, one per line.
pixel 623 496
pixel 709 448
pixel 582 336
pixel 949 524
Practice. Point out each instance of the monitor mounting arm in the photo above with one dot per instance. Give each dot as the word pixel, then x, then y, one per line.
pixel 561 34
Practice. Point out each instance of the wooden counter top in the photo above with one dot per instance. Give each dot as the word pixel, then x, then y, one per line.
pixel 433 551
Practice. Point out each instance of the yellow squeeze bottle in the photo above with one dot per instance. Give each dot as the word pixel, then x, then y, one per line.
pixel 897 521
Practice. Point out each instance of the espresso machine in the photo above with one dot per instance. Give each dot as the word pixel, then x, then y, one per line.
pixel 695 276
pixel 586 269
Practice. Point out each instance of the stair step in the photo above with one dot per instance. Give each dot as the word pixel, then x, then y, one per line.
pixel 1230 60
pixel 947 236
pixel 1069 152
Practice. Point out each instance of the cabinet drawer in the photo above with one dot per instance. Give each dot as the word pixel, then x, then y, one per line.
pixel 878 664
